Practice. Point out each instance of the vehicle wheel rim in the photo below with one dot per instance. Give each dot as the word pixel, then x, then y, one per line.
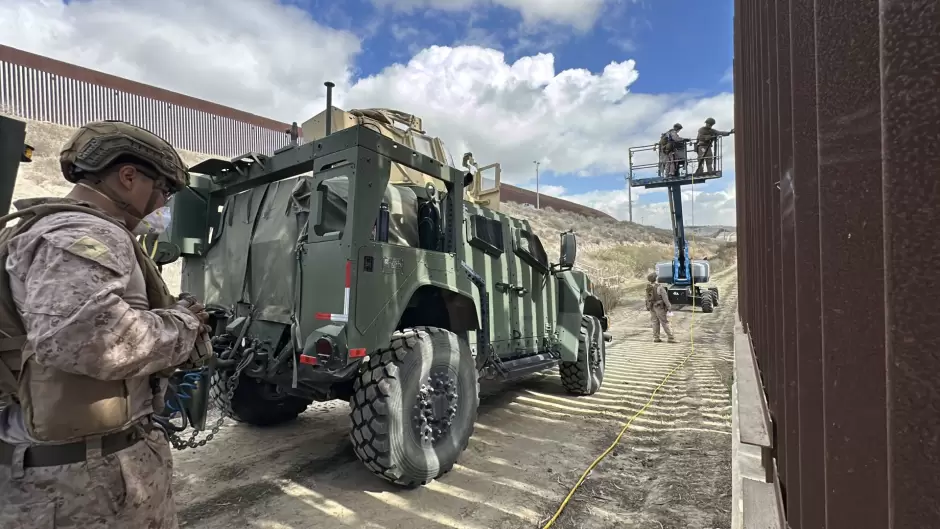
pixel 435 407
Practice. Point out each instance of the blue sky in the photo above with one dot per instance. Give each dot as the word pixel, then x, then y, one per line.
pixel 678 45
pixel 572 85
pixel 648 32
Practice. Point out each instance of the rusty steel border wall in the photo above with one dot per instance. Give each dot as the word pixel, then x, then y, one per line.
pixel 837 111
pixel 40 88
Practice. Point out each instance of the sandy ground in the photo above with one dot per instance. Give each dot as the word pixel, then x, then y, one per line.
pixel 532 442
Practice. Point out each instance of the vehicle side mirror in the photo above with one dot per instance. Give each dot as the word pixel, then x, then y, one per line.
pixel 569 250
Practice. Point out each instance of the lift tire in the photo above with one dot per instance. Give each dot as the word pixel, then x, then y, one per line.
pixel 255 402
pixel 391 394
pixel 706 302
pixel 714 291
pixel 586 375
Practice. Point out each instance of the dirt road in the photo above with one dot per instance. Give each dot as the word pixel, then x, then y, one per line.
pixel 671 470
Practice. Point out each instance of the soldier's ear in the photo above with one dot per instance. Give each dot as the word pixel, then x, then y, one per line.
pixel 126 176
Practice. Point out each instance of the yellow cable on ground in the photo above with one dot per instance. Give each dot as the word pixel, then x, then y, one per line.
pixel 564 503
pixel 623 430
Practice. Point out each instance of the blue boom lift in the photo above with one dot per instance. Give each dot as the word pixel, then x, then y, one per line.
pixel 686 278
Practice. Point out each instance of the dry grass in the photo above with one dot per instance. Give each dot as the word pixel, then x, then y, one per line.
pixel 635 260
pixel 725 255
pixel 616 254
pixel 611 295
pixel 598 239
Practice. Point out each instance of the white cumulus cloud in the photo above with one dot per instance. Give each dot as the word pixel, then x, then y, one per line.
pixel 581 14
pixel 260 56
pixel 572 121
pixel 271 59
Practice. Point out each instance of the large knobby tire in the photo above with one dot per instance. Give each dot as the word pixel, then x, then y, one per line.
pixel 706 302
pixel 255 402
pixel 714 291
pixel 585 375
pixel 415 405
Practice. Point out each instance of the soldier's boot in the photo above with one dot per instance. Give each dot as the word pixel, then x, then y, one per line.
pixel 657 340
pixel 672 340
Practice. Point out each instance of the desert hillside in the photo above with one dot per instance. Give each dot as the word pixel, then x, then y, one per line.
pixel 616 254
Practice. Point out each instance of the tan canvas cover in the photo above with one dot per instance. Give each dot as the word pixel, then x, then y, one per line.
pixel 406 129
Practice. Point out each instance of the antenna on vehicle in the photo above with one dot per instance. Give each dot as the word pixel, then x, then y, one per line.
pixel 329 107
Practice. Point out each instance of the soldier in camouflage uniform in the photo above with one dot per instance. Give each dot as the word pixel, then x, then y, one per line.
pixel 672 153
pixel 704 142
pixel 657 302
pixel 88 333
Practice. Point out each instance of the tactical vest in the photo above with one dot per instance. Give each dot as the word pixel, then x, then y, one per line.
pixel 665 144
pixel 59 406
pixel 650 292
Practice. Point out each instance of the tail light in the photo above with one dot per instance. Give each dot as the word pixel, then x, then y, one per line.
pixel 325 348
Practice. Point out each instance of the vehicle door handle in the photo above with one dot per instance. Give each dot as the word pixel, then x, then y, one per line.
pixel 507 287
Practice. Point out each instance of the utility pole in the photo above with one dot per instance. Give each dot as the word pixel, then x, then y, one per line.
pixel 537 206
pixel 630 195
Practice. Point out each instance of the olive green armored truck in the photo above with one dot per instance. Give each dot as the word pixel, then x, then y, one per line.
pixel 362 265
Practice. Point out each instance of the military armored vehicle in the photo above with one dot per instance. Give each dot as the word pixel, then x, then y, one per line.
pixel 362 265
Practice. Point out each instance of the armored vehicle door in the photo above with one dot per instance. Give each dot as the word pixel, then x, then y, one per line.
pixel 490 255
pixel 532 297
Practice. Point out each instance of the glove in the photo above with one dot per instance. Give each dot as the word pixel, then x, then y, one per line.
pixel 669 314
pixel 202 349
pixel 200 353
pixel 188 303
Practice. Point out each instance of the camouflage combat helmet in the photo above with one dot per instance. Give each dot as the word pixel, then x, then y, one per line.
pixel 100 143
pixel 651 277
pixel 710 121
pixel 677 126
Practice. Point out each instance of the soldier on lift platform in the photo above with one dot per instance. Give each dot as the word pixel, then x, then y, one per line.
pixel 672 149
pixel 704 143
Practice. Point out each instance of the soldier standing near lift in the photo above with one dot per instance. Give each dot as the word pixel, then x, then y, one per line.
pixel 657 302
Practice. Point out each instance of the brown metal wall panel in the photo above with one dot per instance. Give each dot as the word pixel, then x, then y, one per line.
pixel 39 63
pixel 850 209
pixel 812 513
pixel 910 57
pixel 838 117
pixel 787 262
pixel 35 87
pixel 772 195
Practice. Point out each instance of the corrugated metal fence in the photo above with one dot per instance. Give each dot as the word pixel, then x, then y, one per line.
pixel 837 106
pixel 40 88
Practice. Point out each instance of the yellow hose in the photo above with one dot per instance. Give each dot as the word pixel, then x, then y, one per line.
pixel 642 410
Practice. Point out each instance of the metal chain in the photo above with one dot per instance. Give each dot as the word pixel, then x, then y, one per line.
pixel 181 444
